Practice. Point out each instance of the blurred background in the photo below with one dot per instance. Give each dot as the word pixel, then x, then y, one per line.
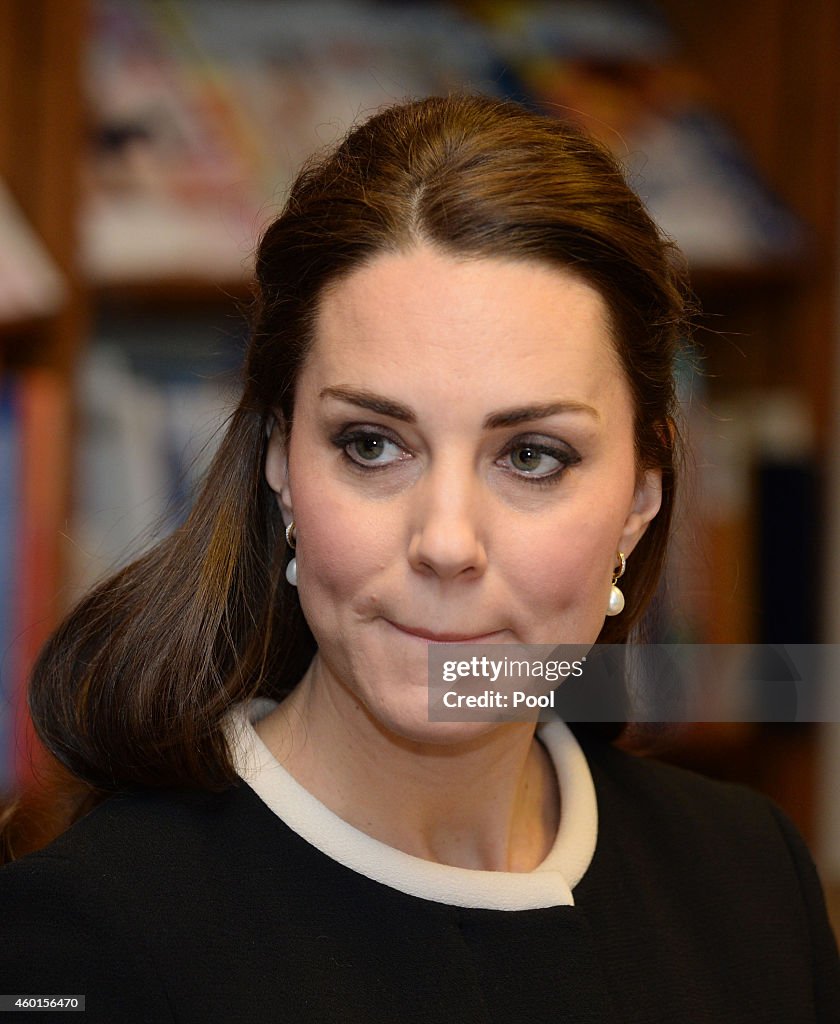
pixel 145 145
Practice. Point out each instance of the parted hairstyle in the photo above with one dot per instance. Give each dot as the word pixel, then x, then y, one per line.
pixel 132 688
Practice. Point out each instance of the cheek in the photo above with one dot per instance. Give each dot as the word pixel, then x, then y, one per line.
pixel 562 569
pixel 562 575
pixel 341 547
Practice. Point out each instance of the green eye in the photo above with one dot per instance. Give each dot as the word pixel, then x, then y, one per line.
pixel 530 459
pixel 370 447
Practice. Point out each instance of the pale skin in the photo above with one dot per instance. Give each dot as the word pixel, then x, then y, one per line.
pixel 487 496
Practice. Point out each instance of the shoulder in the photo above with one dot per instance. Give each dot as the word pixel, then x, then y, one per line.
pixel 84 915
pixel 717 865
pixel 674 826
pixel 678 799
pixel 140 832
pixel 727 826
pixel 687 821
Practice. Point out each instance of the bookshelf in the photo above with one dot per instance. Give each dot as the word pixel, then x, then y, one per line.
pixel 41 142
pixel 769 67
pixel 41 139
pixel 772 66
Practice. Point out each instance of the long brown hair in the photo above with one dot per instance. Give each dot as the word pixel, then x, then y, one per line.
pixel 132 687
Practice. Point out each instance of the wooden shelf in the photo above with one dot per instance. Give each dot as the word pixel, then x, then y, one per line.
pixel 773 66
pixel 183 293
pixel 711 280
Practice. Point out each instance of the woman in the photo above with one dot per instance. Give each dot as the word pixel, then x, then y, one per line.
pixel 457 426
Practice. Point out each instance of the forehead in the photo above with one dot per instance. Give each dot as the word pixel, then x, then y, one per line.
pixel 471 327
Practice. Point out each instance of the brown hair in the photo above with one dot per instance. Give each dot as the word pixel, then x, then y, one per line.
pixel 132 688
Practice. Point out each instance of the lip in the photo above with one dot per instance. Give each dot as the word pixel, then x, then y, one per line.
pixel 442 638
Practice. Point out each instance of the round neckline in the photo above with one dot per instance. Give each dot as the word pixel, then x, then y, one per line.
pixel 549 884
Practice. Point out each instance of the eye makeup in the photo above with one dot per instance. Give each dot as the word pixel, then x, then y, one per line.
pixel 358 442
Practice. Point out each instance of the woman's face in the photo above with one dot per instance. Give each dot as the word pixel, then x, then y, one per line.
pixel 461 465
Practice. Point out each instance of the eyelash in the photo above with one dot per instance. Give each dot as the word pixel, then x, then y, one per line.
pixel 564 456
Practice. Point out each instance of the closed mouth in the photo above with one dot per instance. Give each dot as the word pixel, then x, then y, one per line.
pixel 442 638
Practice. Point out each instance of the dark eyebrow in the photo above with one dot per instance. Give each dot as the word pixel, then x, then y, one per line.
pixel 504 418
pixel 511 417
pixel 376 403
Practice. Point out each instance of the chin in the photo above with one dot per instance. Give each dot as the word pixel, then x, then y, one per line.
pixel 415 727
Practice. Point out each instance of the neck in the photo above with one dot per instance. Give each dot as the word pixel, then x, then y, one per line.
pixel 488 803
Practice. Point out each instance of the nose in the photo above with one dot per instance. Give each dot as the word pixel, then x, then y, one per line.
pixel 446 532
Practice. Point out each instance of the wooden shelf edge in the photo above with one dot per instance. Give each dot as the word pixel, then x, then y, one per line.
pixel 182 291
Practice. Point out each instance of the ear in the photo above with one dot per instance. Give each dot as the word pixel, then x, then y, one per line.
pixel 647 500
pixel 277 470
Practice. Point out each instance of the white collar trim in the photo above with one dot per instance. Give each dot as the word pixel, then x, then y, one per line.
pixel 548 885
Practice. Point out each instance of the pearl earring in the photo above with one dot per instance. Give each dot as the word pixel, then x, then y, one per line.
pixel 291 540
pixel 616 602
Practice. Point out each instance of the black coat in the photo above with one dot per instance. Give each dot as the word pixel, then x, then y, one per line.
pixel 701 904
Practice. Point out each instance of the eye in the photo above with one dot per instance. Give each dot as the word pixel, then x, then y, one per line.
pixel 541 462
pixel 367 448
pixel 533 460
